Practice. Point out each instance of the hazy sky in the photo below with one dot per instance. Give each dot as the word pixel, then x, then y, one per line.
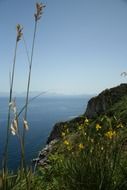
pixel 81 45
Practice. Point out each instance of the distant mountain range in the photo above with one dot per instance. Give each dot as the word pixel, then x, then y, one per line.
pixel 44 94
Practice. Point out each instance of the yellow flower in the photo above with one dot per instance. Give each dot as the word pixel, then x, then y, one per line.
pixel 66 142
pixel 86 121
pixel 110 134
pixel 80 127
pixel 63 134
pixel 120 125
pixel 98 127
pixel 81 146
pixel 69 148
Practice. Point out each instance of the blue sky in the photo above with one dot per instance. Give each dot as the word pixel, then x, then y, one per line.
pixel 81 45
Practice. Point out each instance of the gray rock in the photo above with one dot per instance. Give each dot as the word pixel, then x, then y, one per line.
pixel 101 103
pixel 42 158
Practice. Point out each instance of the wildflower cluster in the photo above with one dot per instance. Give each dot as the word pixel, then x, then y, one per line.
pixel 80 127
pixel 66 142
pixel 110 134
pixel 92 135
pixel 65 131
pixel 86 121
pixel 84 124
pixel 98 127
pixel 68 145
pixel 81 146
pixel 95 158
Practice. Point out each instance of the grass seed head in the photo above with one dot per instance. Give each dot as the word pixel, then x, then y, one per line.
pixel 39 11
pixel 19 29
pixel 25 123
pixel 13 131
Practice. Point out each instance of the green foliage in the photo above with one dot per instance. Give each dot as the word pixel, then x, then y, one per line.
pixel 92 161
pixel 17 181
pixel 119 109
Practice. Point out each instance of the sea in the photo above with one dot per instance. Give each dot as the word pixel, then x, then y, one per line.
pixel 43 114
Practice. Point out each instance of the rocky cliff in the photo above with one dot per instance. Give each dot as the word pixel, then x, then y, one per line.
pixel 111 101
pixel 96 106
pixel 101 103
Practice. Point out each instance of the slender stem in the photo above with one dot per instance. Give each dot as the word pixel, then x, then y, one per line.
pixel 23 162
pixel 27 53
pixel 22 140
pixel 5 155
pixel 23 108
pixel 29 78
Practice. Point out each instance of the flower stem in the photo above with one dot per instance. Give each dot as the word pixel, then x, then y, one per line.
pixel 29 79
pixel 5 154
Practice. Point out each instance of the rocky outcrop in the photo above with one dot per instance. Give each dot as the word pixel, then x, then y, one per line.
pixel 56 132
pixel 96 106
pixel 101 103
pixel 42 158
pixel 59 127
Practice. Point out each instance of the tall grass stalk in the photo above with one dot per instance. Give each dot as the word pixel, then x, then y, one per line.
pixel 39 8
pixel 37 15
pixel 13 125
pixel 29 77
pixel 5 154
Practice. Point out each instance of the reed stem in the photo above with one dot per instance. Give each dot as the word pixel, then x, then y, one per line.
pixel 29 79
pixel 5 154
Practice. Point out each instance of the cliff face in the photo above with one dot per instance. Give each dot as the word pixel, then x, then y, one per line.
pixel 101 103
pixel 96 106
pixel 55 133
pixel 58 127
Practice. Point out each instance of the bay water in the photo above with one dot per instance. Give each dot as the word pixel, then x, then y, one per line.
pixel 43 113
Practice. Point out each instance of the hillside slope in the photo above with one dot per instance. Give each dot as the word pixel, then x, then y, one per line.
pixel 89 152
pixel 111 102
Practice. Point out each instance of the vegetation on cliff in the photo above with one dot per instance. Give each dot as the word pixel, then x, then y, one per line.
pixel 110 102
pixel 91 152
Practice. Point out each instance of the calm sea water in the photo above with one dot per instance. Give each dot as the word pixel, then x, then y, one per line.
pixel 43 113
